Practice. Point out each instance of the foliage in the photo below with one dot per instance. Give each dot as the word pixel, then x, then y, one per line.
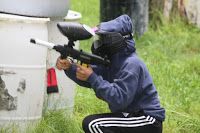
pixel 172 56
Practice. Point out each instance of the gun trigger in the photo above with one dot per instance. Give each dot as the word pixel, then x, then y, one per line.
pixel 84 65
pixel 71 60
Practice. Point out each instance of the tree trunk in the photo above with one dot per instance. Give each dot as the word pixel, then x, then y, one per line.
pixel 155 6
pixel 192 11
pixel 181 8
pixel 136 9
pixel 167 8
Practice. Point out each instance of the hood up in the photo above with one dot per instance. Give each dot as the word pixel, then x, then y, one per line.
pixel 122 25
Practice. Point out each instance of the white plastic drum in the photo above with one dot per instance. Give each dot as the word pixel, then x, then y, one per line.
pixel 64 99
pixel 22 69
pixel 41 8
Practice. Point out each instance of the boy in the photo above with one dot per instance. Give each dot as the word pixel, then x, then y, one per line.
pixel 125 85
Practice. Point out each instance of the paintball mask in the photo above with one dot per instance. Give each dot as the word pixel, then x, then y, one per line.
pixel 107 43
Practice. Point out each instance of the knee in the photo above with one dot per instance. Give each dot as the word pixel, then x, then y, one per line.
pixel 85 123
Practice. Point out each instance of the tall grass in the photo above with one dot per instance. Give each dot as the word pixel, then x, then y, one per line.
pixel 172 55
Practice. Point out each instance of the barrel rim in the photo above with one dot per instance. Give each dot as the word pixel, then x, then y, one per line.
pixel 17 18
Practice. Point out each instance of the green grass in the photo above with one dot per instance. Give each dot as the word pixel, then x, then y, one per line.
pixel 172 54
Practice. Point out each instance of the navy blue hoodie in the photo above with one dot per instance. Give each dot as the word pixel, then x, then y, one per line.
pixel 126 85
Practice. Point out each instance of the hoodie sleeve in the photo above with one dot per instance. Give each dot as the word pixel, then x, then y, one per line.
pixel 71 73
pixel 121 92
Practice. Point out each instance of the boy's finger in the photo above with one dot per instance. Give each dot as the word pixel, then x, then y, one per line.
pixel 79 66
pixel 79 70
pixel 79 75
pixel 63 61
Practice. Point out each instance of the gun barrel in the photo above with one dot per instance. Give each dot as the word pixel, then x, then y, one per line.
pixel 42 43
pixel 66 51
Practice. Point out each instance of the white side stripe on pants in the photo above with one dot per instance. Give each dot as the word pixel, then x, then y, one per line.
pixel 119 122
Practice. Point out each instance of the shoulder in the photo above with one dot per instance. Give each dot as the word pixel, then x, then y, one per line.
pixel 134 64
pixel 134 61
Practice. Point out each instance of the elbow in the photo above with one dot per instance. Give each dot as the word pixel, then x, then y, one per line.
pixel 118 100
pixel 118 104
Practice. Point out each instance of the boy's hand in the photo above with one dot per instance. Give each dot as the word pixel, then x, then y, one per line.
pixel 63 64
pixel 83 73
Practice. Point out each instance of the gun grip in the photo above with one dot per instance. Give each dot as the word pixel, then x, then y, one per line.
pixel 61 49
pixel 83 64
pixel 62 56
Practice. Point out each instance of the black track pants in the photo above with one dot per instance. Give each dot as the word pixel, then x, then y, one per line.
pixel 121 123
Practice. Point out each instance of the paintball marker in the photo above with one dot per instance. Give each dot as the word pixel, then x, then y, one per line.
pixel 74 32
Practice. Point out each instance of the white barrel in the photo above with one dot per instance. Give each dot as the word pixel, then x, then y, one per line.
pixel 22 69
pixel 64 99
pixel 42 8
